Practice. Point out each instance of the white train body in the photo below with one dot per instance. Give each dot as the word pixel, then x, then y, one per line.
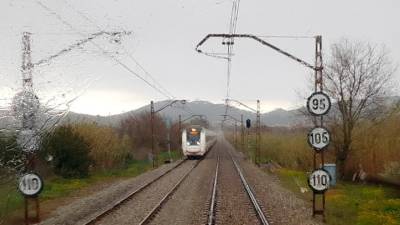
pixel 196 141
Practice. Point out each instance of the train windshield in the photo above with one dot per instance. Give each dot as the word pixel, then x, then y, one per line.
pixel 193 136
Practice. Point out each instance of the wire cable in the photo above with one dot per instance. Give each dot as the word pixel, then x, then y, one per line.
pixel 132 72
pixel 129 54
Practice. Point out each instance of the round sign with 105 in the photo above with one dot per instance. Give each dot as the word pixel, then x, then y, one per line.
pixel 319 138
pixel 30 184
pixel 318 104
pixel 319 180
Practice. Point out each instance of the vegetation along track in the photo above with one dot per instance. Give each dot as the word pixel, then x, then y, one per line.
pixel 231 205
pixel 110 208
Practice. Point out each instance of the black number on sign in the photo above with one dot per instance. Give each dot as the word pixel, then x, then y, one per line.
pixel 319 104
pixel 318 138
pixel 315 104
pixel 320 180
pixel 32 184
pixel 324 180
pixel 325 137
pixel 35 183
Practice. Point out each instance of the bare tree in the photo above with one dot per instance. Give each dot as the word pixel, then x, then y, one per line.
pixel 138 129
pixel 357 77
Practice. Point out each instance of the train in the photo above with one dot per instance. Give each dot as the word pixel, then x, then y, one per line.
pixel 196 141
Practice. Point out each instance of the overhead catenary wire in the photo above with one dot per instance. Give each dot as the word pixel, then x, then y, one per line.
pixel 126 67
pixel 129 54
pixel 230 42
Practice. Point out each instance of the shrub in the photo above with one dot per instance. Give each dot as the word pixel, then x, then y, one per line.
pixel 107 149
pixel 70 152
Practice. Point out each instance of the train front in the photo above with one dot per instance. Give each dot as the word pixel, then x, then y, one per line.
pixel 193 142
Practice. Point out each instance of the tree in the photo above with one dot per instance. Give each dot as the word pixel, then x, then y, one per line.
pixel 357 77
pixel 138 128
pixel 70 152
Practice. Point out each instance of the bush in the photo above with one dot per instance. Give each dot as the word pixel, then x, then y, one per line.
pixel 70 152
pixel 11 156
pixel 107 149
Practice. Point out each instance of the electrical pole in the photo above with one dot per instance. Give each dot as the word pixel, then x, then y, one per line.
pixel 26 62
pixel 152 132
pixel 258 134
pixel 242 131
pixel 28 104
pixel 318 87
pixel 169 139
pixel 180 132
pixel 152 113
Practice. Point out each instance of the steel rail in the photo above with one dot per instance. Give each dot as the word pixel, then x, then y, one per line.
pixel 154 211
pixel 96 217
pixel 253 199
pixel 211 215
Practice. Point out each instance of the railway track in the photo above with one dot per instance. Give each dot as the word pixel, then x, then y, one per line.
pixel 213 210
pixel 101 214
pixel 156 208
pixel 97 219
pixel 257 208
pixel 213 199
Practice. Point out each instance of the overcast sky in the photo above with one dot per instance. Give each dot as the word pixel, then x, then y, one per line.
pixel 164 35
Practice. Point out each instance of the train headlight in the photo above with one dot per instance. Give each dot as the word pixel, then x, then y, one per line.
pixel 198 142
pixel 187 143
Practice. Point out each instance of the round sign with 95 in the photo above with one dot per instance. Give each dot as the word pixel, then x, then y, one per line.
pixel 318 104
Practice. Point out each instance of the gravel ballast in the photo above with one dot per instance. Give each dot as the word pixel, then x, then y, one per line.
pixel 136 208
pixel 233 204
pixel 189 204
pixel 81 209
pixel 281 206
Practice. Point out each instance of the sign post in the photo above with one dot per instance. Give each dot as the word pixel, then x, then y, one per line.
pixel 318 105
pixel 30 185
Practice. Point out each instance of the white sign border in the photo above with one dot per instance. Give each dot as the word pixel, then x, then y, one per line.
pixel 38 192
pixel 308 103
pixel 319 191
pixel 308 139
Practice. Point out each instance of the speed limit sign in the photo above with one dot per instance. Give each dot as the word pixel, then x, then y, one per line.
pixel 318 138
pixel 319 180
pixel 318 104
pixel 30 184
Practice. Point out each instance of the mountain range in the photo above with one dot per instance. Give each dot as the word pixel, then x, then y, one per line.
pixel 211 111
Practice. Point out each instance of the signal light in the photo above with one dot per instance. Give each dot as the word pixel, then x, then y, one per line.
pixel 248 123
